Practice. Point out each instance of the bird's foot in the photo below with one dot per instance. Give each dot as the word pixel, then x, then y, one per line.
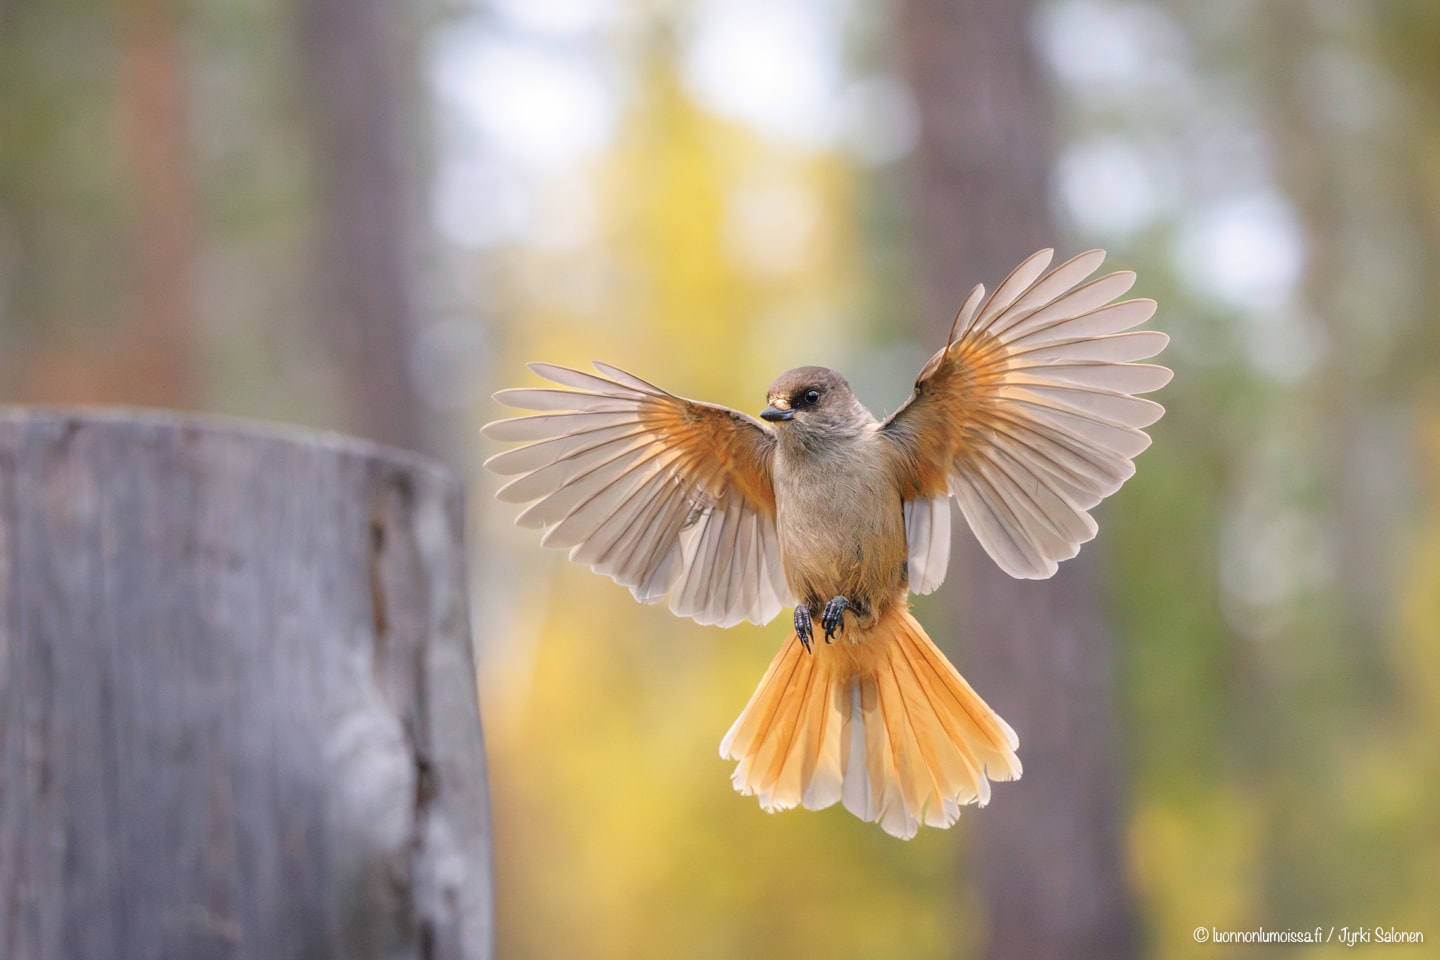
pixel 833 619
pixel 802 626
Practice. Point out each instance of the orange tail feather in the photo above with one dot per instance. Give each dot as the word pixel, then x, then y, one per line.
pixel 879 720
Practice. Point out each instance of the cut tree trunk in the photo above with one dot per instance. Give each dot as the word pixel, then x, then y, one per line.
pixel 238 713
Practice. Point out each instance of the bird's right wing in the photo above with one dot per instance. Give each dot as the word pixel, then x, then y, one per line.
pixel 662 494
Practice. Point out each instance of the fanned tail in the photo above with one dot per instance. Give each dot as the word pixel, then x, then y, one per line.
pixel 878 720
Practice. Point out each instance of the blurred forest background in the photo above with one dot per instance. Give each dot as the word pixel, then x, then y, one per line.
pixel 366 216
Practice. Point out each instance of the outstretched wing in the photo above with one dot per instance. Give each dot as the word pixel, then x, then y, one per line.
pixel 1028 416
pixel 662 494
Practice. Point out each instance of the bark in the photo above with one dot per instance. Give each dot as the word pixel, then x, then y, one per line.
pixel 1048 857
pixel 238 715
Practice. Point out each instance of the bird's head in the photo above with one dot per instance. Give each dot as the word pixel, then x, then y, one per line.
pixel 813 402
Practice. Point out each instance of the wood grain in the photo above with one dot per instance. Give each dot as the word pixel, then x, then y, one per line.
pixel 238 714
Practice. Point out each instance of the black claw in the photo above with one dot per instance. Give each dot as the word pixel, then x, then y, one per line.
pixel 833 619
pixel 802 626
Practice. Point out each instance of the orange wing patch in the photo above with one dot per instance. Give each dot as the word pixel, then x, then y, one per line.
pixel 718 446
pixel 1029 416
pixel 950 409
pixel 667 496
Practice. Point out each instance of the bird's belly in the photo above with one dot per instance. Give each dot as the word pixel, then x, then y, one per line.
pixel 843 538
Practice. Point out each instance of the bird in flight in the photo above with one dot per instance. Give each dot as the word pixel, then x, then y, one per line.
pixel 1028 417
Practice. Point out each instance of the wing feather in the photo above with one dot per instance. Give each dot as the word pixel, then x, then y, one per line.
pixel 1123 378
pixel 1029 414
pixel 548 426
pixel 532 457
pixel 1057 282
pixel 612 544
pixel 927 531
pixel 1021 279
pixel 664 495
pixel 1077 303
pixel 584 460
pixel 624 551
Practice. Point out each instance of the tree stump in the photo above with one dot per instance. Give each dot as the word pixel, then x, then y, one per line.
pixel 238 714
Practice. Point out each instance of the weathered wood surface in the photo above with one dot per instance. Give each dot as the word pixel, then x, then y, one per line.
pixel 237 705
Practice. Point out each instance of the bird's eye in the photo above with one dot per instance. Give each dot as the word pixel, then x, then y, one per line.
pixel 812 397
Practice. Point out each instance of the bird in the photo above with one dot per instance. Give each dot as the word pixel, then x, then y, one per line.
pixel 1027 417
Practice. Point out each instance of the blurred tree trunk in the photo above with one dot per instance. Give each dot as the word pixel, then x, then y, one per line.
pixel 1048 850
pixel 357 58
pixel 158 150
pixel 141 350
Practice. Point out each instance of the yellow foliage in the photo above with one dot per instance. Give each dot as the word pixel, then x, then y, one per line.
pixel 1197 866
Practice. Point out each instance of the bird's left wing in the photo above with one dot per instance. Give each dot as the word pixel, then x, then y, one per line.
pixel 662 494
pixel 1027 416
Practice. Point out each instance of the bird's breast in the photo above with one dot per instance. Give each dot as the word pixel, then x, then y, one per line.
pixel 841 526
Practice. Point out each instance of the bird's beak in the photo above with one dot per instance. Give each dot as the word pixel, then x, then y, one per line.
pixel 773 413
